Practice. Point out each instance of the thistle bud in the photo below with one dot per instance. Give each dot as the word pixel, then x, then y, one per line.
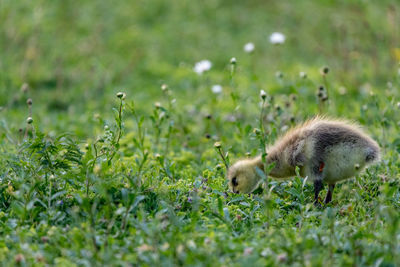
pixel 121 95
pixel 29 120
pixel 263 94
pixel 29 102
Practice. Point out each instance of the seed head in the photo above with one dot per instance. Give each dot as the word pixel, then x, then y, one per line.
pixel 29 102
pixel 25 87
pixel 357 166
pixel 29 120
pixel 233 61
pixel 157 156
pixel 263 94
pixel 164 87
pixel 217 145
pixel 398 105
pixel 157 104
pixel 279 74
pixel 249 47
pixel 121 95
pixel 325 70
pixel 303 75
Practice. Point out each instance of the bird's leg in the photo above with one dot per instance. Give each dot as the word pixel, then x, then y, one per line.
pixel 318 186
pixel 329 194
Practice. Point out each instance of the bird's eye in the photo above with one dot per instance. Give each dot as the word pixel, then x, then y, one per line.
pixel 234 181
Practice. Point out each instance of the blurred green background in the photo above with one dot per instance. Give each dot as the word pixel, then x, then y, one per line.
pixel 76 55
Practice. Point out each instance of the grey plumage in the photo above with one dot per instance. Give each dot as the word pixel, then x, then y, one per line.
pixel 325 150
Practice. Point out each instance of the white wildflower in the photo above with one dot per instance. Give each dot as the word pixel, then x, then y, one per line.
pixel 216 89
pixel 248 48
pixel 277 38
pixel 202 66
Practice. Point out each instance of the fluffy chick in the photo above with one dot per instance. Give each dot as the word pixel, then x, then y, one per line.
pixel 325 150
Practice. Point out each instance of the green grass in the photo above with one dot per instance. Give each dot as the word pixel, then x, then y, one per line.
pixel 98 180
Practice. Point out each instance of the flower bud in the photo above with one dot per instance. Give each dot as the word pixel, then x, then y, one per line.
pixel 121 95
pixel 217 145
pixel 325 70
pixel 256 131
pixel 233 61
pixel 263 94
pixel 164 87
pixel 29 102
pixel 29 120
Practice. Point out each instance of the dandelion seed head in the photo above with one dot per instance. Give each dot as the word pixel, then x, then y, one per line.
pixel 216 89
pixel 249 47
pixel 202 66
pixel 277 38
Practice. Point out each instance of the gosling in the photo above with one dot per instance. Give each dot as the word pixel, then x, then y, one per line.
pixel 325 150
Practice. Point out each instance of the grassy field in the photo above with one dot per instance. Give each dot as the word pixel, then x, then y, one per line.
pixel 89 178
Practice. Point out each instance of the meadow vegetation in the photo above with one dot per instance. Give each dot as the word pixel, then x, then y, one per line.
pixel 114 143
